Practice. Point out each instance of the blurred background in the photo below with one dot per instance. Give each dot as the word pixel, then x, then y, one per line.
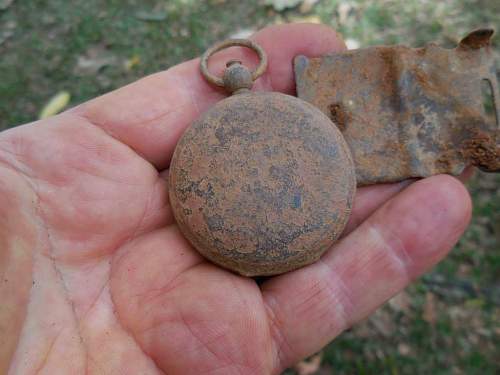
pixel 446 323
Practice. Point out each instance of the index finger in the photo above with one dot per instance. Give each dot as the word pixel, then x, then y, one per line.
pixel 151 114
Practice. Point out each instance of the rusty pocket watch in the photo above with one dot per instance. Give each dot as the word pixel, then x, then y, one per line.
pixel 262 183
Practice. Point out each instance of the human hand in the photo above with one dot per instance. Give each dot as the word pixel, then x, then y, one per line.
pixel 97 278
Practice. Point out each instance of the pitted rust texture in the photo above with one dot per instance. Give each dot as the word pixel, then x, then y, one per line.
pixel 409 112
pixel 262 183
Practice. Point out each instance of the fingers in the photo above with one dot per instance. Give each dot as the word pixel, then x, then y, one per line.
pixel 19 240
pixel 150 115
pixel 187 315
pixel 368 199
pixel 401 240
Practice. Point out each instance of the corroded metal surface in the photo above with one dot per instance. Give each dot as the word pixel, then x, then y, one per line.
pixel 408 112
pixel 261 68
pixel 262 183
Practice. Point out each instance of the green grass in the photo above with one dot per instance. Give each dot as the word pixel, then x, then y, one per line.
pixel 43 55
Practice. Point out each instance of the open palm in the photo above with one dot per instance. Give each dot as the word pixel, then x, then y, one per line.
pixel 96 277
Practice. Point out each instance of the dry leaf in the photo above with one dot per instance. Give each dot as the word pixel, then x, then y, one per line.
pixel 281 5
pixel 307 6
pixel 363 330
pixel 383 322
pixel 404 349
pixel 309 366
pixel 4 4
pixel 429 314
pixel 94 59
pixel 352 43
pixel 242 34
pixel 401 302
pixel 344 10
pixel 55 105
pixel 132 62
pixel 308 19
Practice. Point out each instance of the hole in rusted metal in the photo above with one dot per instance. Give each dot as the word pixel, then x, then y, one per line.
pixel 488 100
pixel 338 116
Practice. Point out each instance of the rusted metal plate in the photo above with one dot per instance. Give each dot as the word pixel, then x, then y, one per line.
pixel 408 112
pixel 262 183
